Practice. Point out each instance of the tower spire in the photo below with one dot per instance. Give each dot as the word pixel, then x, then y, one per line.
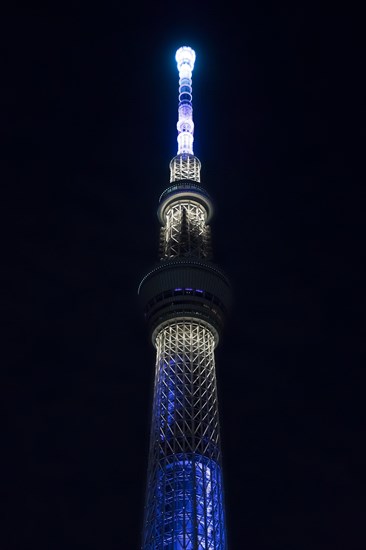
pixel 185 165
pixel 185 58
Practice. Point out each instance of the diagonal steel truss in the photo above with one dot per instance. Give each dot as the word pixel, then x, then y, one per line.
pixel 185 167
pixel 184 504
pixel 186 232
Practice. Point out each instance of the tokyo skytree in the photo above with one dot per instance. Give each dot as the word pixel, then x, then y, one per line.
pixel 185 298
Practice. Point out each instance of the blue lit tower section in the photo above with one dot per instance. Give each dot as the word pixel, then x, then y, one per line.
pixel 185 299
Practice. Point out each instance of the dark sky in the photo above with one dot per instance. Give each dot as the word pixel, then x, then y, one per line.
pixel 88 112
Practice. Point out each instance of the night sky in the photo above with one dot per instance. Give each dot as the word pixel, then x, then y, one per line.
pixel 88 112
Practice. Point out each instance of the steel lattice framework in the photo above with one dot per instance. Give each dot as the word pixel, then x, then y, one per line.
pixel 185 502
pixel 186 232
pixel 185 299
pixel 184 167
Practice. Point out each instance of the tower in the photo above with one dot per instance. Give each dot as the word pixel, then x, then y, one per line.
pixel 185 300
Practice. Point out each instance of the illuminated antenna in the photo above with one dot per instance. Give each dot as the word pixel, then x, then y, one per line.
pixel 185 165
pixel 185 58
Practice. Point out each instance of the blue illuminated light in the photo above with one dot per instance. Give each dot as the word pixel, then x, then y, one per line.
pixel 189 290
pixel 188 490
pixel 190 505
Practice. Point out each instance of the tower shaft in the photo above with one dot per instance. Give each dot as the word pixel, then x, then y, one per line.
pixel 185 496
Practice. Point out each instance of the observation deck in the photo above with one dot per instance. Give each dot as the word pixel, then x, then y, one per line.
pixel 185 288
pixel 186 190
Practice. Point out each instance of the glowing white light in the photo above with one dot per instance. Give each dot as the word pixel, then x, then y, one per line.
pixel 185 167
pixel 185 58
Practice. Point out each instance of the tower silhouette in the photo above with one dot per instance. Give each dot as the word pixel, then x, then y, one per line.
pixel 185 298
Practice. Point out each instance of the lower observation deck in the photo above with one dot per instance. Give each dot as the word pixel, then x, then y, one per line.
pixel 185 288
pixel 185 190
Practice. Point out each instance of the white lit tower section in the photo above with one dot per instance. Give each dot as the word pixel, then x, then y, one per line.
pixel 185 165
pixel 185 299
